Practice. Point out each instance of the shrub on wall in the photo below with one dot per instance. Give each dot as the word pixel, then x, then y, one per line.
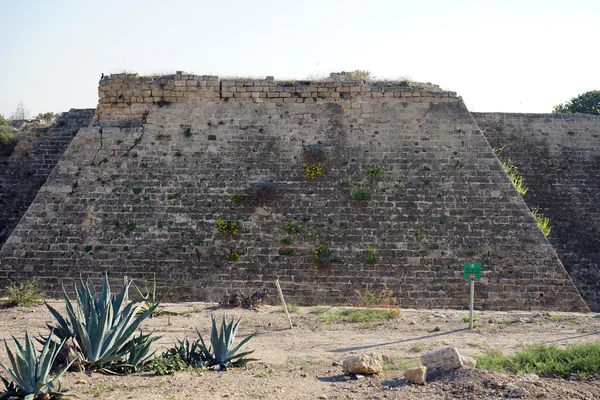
pixel 229 227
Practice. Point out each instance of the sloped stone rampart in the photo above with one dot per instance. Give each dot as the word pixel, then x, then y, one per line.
pixel 559 158
pixel 25 170
pixel 142 198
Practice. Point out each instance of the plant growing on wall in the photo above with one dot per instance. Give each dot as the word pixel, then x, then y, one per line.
pixel 232 255
pixel 238 198
pixel 292 226
pixel 542 221
pixel 228 227
pixel 512 171
pixel 314 171
pixel 361 194
pixel 323 255
pixel 371 256
pixel 375 170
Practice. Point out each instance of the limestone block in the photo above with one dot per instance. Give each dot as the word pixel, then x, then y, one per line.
pixel 416 375
pixel 441 360
pixel 366 364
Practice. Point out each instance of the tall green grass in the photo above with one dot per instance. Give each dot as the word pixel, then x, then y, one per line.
pixel 578 361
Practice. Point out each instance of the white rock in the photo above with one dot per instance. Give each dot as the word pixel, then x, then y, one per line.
pixel 416 375
pixel 371 363
pixel 468 362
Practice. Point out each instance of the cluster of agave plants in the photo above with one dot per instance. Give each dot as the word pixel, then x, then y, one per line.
pixel 99 334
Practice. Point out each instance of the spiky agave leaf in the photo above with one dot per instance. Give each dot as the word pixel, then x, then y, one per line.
pixel 29 372
pixel 222 351
pixel 103 325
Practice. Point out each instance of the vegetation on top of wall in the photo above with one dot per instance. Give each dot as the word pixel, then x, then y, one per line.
pixel 360 75
pixel 542 221
pixel 7 133
pixel 586 103
pixel 512 171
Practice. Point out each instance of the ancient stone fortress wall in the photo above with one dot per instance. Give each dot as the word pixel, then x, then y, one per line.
pixel 220 190
pixel 559 158
pixel 24 172
pixel 127 98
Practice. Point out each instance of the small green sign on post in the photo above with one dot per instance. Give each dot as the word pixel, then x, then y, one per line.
pixel 474 269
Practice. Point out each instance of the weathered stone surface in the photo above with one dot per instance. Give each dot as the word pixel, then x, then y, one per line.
pixel 416 375
pixel 150 180
pixel 25 169
pixel 368 364
pixel 468 362
pixel 559 158
pixel 442 360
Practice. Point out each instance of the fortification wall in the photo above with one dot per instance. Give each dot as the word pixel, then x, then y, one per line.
pixel 142 199
pixel 559 158
pixel 25 170
pixel 126 99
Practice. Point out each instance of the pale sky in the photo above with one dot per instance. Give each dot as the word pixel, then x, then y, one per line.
pixel 505 56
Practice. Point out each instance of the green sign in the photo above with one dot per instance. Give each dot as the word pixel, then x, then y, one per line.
pixel 473 271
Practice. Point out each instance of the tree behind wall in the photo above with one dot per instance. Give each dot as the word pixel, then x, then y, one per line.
pixel 586 103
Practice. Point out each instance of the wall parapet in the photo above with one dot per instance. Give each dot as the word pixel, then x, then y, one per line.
pixel 124 99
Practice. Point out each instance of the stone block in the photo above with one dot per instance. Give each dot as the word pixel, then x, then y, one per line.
pixel 365 364
pixel 441 361
pixel 416 375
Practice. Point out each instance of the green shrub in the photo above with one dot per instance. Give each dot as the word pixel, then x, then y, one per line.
pixel 375 170
pixel 371 256
pixel 184 355
pixel 359 75
pixel 238 198
pixel 580 361
pixel 24 294
pixel 229 227
pixel 323 255
pixel 361 194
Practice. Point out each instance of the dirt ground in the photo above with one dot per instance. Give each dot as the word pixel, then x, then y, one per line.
pixel 306 363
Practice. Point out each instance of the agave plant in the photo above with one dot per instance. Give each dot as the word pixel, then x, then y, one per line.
pixel 30 373
pixel 222 352
pixel 103 328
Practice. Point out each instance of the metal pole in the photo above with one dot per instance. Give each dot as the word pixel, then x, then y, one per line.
pixel 471 301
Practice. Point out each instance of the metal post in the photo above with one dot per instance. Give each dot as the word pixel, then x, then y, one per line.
pixel 471 301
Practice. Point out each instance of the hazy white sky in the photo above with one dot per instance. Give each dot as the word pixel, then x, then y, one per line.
pixel 509 56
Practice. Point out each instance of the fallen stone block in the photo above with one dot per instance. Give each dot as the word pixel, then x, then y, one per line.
pixel 367 364
pixel 441 360
pixel 416 375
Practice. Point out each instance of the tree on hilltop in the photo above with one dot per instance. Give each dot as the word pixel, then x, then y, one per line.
pixel 21 112
pixel 586 103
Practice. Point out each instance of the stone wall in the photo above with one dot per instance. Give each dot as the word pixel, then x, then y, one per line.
pixel 126 99
pixel 25 169
pixel 142 193
pixel 559 158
